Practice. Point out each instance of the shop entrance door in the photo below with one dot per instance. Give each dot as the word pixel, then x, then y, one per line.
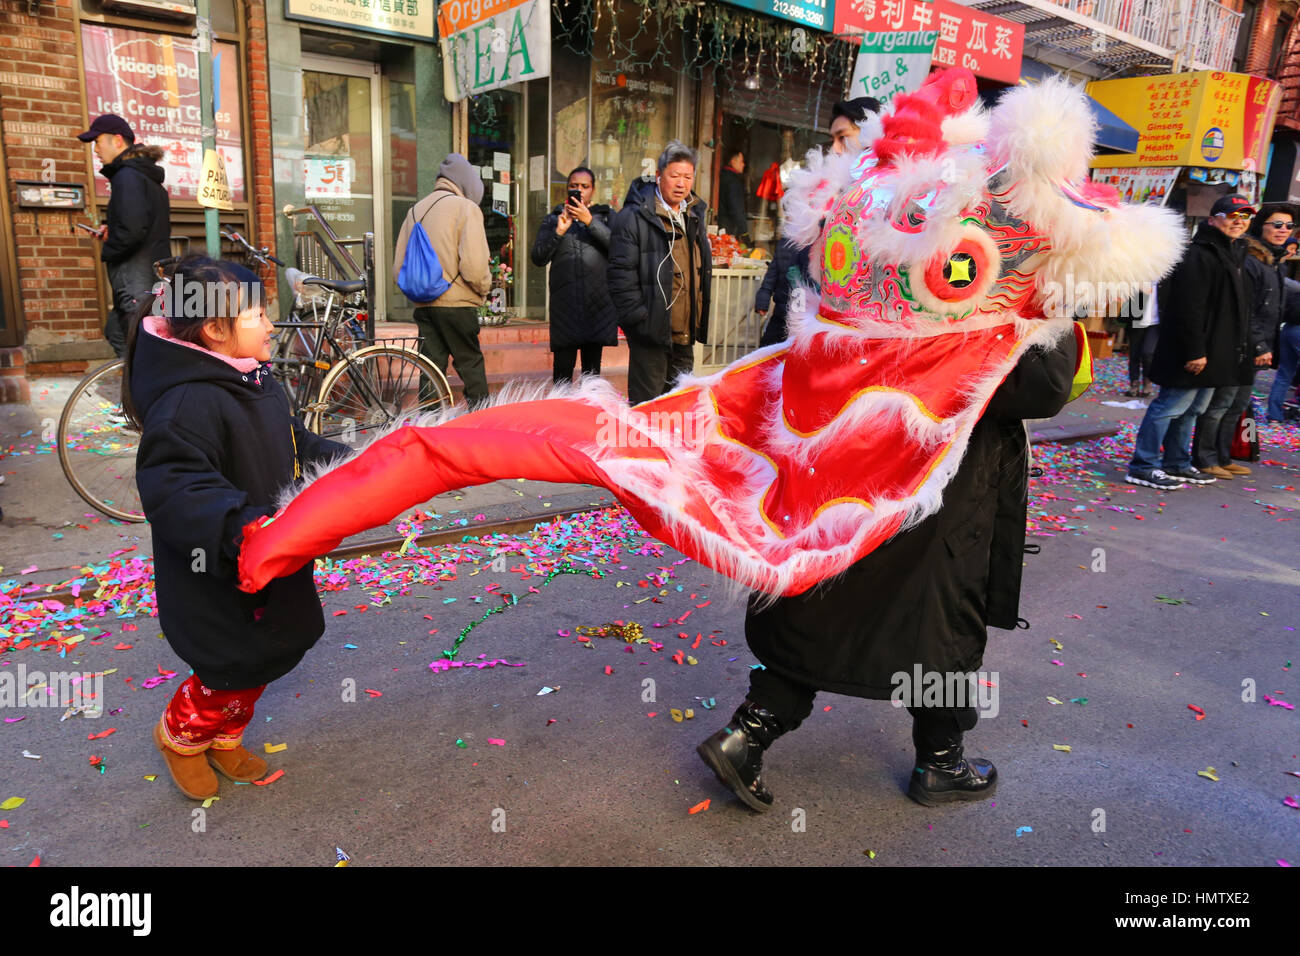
pixel 497 146
pixel 342 155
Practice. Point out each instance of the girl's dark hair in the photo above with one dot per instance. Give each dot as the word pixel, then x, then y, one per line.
pixel 228 285
pixel 582 169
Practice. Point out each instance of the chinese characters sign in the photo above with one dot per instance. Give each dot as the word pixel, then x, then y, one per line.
pixel 329 178
pixel 986 45
pixel 818 14
pixel 1193 119
pixel 152 81
pixel 487 44
pixel 407 18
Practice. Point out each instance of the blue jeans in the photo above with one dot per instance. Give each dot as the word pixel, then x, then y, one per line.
pixel 1287 362
pixel 1169 422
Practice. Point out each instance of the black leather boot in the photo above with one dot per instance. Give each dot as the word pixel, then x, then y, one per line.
pixel 945 776
pixel 735 753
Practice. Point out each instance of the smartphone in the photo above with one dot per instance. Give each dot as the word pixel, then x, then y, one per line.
pixel 575 197
pixel 88 228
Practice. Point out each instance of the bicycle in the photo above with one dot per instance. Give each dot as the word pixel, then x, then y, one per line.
pixel 340 381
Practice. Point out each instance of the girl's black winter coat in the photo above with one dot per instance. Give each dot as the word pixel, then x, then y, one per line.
pixel 216 447
pixel 581 310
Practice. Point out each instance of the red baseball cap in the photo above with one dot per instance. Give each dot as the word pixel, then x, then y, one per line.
pixel 1229 204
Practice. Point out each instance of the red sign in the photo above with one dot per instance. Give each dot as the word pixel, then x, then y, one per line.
pixel 151 80
pixel 986 45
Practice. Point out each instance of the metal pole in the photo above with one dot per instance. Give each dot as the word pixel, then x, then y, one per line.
pixel 203 24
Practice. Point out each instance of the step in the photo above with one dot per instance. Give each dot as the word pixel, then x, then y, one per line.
pixel 498 380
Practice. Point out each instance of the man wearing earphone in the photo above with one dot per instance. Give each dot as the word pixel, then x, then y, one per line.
pixel 659 273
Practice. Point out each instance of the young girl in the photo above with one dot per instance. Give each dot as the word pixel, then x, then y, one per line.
pixel 217 443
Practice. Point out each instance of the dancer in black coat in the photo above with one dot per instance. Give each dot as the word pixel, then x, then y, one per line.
pixel 922 602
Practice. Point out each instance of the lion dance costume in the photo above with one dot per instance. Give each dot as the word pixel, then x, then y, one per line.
pixel 940 248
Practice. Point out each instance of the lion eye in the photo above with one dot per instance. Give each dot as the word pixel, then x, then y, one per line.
pixel 960 270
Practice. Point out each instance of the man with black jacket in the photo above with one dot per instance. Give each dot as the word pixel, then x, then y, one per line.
pixel 660 271
pixel 137 227
pixel 1204 310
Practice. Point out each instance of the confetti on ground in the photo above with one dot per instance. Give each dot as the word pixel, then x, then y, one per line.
pixel 13 803
pixel 1021 831
pixel 1209 773
pixel 275 748
pixel 699 807
pixel 1064 748
pixel 1200 714
pixel 1292 802
pixel 31 756
pixel 1272 701
pixel 271 779
pixel 496 742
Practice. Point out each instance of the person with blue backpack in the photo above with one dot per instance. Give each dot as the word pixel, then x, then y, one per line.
pixel 442 264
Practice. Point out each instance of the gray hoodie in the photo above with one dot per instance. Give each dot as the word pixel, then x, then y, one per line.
pixel 453 222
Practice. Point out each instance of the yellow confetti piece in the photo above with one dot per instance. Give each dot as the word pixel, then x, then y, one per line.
pixel 691 660
pixel 274 748
pixel 151 777
pixel 1057 644
pixel 208 802
pixel 676 714
pixel 690 714
pixel 75 640
pixel 1062 747
pixel 1053 700
pixel 13 803
pixel 869 853
pixel 340 863
pixel 1209 774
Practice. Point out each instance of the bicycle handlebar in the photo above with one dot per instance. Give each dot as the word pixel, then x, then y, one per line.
pixel 261 255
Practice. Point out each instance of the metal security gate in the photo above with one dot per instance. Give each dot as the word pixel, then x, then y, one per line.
pixel 734 328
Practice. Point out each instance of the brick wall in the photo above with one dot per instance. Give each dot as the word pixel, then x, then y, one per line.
pixel 1262 37
pixel 40 108
pixel 258 127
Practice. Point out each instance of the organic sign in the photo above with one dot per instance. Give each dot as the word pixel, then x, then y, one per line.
pixel 487 44
pixel 1193 119
pixel 986 45
pixel 892 63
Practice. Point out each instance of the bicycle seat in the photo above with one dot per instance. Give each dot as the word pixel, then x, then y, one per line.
pixel 341 286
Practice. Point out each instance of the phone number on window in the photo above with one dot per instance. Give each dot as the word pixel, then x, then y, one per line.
pixel 810 17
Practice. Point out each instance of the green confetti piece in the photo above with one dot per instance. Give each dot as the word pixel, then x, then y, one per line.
pixel 461 744
pixel 1079 700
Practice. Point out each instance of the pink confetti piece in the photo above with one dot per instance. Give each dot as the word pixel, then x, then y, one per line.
pixel 496 742
pixel 1278 703
pixel 1292 803
pixel 29 570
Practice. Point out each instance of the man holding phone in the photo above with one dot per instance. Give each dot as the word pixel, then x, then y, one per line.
pixel 137 227
pixel 574 240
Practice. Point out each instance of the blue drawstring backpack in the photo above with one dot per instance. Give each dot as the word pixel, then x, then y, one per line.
pixel 420 278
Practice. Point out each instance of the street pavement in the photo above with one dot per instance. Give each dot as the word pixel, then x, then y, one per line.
pixel 1142 606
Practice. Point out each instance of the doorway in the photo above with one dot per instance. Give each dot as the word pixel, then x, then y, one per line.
pixel 343 140
pixel 495 143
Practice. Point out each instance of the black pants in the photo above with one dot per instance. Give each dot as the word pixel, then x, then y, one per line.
pixel 790 702
pixel 453 333
pixel 652 369
pixel 131 282
pixel 1141 349
pixel 565 359
pixel 1217 426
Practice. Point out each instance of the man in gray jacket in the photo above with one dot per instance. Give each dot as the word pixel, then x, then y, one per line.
pixel 453 221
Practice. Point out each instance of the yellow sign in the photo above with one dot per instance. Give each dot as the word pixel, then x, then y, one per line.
pixel 1193 119
pixel 214 188
pixel 404 18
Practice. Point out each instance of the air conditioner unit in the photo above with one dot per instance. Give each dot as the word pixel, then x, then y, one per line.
pixel 156 9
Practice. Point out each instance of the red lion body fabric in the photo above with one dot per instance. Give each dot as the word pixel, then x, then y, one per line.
pixel 937 251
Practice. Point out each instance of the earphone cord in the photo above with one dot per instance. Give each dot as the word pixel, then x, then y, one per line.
pixel 674 217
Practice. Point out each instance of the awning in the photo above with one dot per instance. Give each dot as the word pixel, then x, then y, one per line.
pixel 1113 132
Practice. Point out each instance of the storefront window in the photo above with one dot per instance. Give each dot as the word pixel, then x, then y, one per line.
pixel 152 81
pixel 633 109
pixel 401 172
pixel 496 143
pixel 771 151
pixel 337 156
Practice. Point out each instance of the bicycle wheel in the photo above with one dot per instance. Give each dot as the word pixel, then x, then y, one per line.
pixel 374 387
pixel 97 445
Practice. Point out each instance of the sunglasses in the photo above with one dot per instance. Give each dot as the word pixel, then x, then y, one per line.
pixel 1239 216
pixel 1280 224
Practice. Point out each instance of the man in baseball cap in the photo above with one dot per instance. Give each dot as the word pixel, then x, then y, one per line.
pixel 137 223
pixel 1227 205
